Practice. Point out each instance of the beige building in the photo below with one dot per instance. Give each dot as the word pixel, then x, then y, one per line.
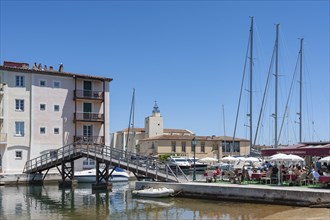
pixel 42 109
pixel 155 140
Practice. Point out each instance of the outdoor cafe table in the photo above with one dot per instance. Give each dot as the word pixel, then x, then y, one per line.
pixel 257 176
pixel 289 177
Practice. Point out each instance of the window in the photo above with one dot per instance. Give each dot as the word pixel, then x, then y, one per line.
pixel 89 162
pixel 19 105
pixel 42 130
pixel 56 84
pixel 236 146
pixel 42 83
pixel 56 108
pixel 19 128
pixel 42 107
pixel 173 144
pixel 18 154
pixel 183 146
pixel 203 147
pixel 56 130
pixel 226 146
pixel 19 82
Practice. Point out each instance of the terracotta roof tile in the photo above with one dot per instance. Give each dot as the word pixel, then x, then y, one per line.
pixel 48 72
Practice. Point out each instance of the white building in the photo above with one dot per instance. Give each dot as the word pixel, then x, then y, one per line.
pixel 42 110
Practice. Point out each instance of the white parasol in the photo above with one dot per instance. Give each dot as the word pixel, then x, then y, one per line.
pixel 208 160
pixel 251 159
pixel 229 159
pixel 325 159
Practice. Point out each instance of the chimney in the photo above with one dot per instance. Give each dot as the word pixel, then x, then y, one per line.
pixel 35 66
pixel 61 69
pixel 15 65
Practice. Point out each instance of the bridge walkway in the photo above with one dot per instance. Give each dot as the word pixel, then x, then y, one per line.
pixel 141 166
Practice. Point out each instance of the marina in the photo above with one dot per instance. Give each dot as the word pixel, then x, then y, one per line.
pixel 48 201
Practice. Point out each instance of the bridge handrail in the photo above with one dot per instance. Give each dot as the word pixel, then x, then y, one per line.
pixel 103 152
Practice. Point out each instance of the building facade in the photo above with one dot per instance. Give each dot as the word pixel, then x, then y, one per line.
pixel 42 110
pixel 155 140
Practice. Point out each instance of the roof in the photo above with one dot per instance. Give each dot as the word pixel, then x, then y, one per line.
pixel 302 149
pixel 173 130
pixel 16 68
pixel 187 138
pixel 166 130
pixel 134 129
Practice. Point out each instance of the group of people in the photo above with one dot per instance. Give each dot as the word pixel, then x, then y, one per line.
pixel 320 170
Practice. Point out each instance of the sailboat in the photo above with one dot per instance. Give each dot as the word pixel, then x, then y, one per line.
pixel 250 50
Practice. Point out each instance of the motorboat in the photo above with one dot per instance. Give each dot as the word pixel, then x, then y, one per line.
pixel 195 163
pixel 153 192
pixel 89 176
pixel 181 162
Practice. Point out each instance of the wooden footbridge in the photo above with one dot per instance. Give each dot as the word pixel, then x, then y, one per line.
pixel 105 157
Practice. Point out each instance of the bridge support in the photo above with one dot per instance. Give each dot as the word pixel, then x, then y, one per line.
pixel 102 178
pixel 67 173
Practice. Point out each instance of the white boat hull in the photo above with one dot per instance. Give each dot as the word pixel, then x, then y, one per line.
pixel 89 176
pixel 153 193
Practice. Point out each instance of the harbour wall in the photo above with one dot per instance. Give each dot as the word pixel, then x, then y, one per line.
pixel 284 195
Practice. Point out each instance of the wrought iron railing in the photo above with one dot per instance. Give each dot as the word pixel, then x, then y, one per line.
pixel 88 94
pixel 89 139
pixel 89 116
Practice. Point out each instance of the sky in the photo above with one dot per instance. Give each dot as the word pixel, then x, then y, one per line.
pixel 187 55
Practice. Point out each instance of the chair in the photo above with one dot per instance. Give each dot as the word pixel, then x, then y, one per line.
pixel 231 176
pixel 250 175
pixel 303 178
pixel 226 175
pixel 267 177
pixel 209 175
pixel 311 179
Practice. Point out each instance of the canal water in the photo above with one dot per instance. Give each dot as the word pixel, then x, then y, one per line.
pixel 48 202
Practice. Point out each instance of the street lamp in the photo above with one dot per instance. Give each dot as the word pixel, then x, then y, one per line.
pixel 193 144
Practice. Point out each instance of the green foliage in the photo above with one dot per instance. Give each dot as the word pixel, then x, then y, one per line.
pixel 164 157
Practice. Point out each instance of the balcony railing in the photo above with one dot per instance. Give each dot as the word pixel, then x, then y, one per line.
pixel 88 94
pixel 3 138
pixel 1 112
pixel 89 116
pixel 90 139
pixel 1 88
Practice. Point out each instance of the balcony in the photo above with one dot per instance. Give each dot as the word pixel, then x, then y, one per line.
pixel 89 139
pixel 1 88
pixel 87 94
pixel 1 112
pixel 3 138
pixel 89 116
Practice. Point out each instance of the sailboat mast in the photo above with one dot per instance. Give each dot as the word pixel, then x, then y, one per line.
pixel 131 115
pixel 300 107
pixel 276 84
pixel 224 122
pixel 251 65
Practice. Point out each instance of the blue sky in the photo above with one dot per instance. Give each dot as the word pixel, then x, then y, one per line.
pixel 187 55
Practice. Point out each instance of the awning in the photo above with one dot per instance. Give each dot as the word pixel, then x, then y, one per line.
pixel 300 150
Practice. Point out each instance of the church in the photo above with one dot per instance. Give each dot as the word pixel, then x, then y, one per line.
pixel 155 140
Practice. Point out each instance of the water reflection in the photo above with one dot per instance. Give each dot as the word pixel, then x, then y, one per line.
pixel 50 202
